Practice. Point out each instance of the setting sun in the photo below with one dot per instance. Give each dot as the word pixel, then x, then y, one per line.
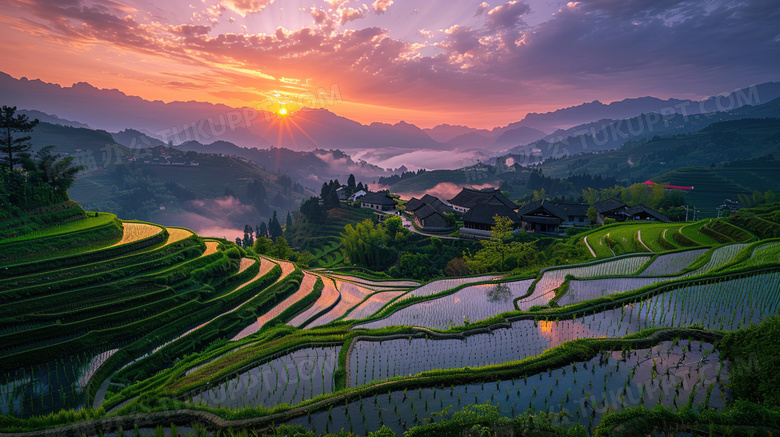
pixel 283 111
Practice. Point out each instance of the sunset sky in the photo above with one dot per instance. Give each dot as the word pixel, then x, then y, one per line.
pixel 476 63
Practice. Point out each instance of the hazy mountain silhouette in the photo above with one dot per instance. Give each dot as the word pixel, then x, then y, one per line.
pixel 307 130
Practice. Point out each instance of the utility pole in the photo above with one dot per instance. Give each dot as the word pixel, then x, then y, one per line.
pixel 686 211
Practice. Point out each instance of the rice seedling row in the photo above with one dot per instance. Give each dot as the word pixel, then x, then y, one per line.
pixel 671 263
pixel 584 290
pixel 553 278
pixel 442 285
pixel 468 304
pixel 673 374
pixel 351 296
pixel 307 285
pixel 727 305
pixel 292 378
pixel 720 256
pixel 370 283
pixel 373 304
pixel 330 295
pixel 49 386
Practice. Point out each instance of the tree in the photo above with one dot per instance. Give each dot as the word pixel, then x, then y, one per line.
pixel 274 228
pixel 261 230
pixel 10 125
pixel 46 168
pixel 366 244
pixel 248 236
pixel 304 258
pixel 499 293
pixel 500 233
pixel 351 183
pixel 262 245
pixel 314 211
pixel 592 215
pixel 393 225
pixel 456 267
pixel 280 249
pixel 288 223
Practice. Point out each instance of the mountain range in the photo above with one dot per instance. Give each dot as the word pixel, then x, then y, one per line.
pixel 321 129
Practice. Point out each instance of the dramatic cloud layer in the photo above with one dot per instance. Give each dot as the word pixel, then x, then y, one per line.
pixel 467 62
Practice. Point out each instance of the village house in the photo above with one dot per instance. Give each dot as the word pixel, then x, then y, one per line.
pixel 430 214
pixel 355 196
pixel 619 211
pixel 469 197
pixel 479 220
pixel 546 216
pixel 379 202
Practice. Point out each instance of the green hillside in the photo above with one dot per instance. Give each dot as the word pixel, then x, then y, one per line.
pixel 166 323
pixel 639 161
pixel 156 181
pixel 712 185
pixel 112 302
pixel 323 240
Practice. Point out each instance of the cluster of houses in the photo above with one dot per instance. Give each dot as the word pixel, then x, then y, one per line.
pixel 478 208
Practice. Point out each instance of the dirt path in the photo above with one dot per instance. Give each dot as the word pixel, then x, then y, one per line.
pixel 589 248
pixel 639 237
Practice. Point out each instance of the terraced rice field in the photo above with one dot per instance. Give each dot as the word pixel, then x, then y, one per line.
pixel 582 290
pixel 693 232
pixel 553 278
pixel 330 295
pixel 468 304
pixel 670 373
pixel 726 305
pixel 376 284
pixel 442 285
pixel 211 247
pixel 50 385
pixel 764 254
pixel 651 235
pixel 720 256
pixel 671 263
pixel 307 285
pixel 373 304
pixel 292 378
pixel 136 231
pixel 351 296
pixel 177 234
pixel 245 263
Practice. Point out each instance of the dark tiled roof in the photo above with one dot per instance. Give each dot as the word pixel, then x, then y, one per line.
pixel 574 209
pixel 609 205
pixel 426 211
pixel 413 204
pixel 545 205
pixel 469 197
pixel 484 213
pixel 529 207
pixel 430 199
pixel 378 199
pixel 642 208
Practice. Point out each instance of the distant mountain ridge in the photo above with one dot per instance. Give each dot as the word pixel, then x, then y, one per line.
pixel 180 122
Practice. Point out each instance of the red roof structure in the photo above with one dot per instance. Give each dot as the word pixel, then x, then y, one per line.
pixel 673 187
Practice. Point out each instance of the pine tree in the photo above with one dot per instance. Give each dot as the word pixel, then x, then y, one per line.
pixel 14 148
pixel 351 183
pixel 288 223
pixel 274 228
pixel 262 230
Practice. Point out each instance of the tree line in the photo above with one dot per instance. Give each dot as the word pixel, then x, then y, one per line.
pixel 29 180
